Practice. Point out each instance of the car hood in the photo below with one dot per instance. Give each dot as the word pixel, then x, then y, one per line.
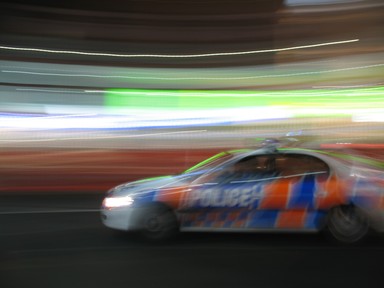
pixel 149 184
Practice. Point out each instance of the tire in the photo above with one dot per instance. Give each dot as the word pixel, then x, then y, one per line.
pixel 157 223
pixel 346 224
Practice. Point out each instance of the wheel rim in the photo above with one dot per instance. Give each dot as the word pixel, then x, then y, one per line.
pixel 153 223
pixel 347 224
pixel 158 223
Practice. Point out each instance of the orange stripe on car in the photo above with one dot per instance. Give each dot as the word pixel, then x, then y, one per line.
pixel 172 196
pixel 291 219
pixel 333 193
pixel 276 194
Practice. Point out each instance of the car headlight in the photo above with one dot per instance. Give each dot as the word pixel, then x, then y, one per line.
pixel 115 202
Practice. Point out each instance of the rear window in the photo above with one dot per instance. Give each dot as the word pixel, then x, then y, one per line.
pixel 297 164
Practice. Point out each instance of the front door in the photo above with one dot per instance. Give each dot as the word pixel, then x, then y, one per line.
pixel 227 198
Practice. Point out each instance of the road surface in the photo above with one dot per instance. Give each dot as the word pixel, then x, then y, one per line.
pixel 58 241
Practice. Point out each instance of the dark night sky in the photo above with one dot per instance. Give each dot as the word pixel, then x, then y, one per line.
pixel 161 6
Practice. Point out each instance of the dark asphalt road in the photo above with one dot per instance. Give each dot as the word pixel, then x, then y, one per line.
pixel 58 241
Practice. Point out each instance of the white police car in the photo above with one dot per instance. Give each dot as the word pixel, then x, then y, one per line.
pixel 267 189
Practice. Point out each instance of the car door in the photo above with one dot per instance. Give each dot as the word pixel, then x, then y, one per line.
pixel 290 200
pixel 226 197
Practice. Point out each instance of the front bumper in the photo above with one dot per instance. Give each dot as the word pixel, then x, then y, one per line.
pixel 119 218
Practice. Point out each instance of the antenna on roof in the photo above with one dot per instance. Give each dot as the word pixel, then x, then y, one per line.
pixel 273 143
pixel 270 144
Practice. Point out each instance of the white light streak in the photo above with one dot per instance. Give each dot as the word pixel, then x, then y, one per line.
pixel 49 90
pixel 174 56
pixel 101 137
pixel 65 116
pixel 190 78
pixel 372 115
pixel 318 2
pixel 154 118
pixel 348 86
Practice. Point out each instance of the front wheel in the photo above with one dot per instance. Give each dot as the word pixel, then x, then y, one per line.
pixel 157 223
pixel 346 224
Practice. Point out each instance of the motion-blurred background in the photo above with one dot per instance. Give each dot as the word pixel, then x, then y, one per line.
pixel 95 93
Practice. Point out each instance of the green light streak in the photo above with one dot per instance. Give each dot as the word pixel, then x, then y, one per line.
pixel 151 179
pixel 206 161
pixel 214 157
pixel 331 102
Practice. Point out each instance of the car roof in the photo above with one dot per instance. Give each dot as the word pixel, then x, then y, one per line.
pixel 323 155
pixel 341 162
pixel 274 150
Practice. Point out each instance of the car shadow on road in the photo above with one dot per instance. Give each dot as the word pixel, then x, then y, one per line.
pixel 249 240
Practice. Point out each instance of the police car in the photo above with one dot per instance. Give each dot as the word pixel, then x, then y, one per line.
pixel 265 189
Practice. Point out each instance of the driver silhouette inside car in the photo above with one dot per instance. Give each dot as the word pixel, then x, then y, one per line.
pixel 249 169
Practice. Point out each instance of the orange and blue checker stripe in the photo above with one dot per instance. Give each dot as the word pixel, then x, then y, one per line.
pixel 262 219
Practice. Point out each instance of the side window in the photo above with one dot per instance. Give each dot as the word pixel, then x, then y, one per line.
pixel 252 168
pixel 298 165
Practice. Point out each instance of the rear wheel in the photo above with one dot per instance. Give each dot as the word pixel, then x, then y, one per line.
pixel 157 222
pixel 346 224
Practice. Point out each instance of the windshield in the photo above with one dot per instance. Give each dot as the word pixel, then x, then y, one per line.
pixel 210 163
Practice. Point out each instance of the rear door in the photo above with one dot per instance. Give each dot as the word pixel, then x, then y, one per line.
pixel 291 200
